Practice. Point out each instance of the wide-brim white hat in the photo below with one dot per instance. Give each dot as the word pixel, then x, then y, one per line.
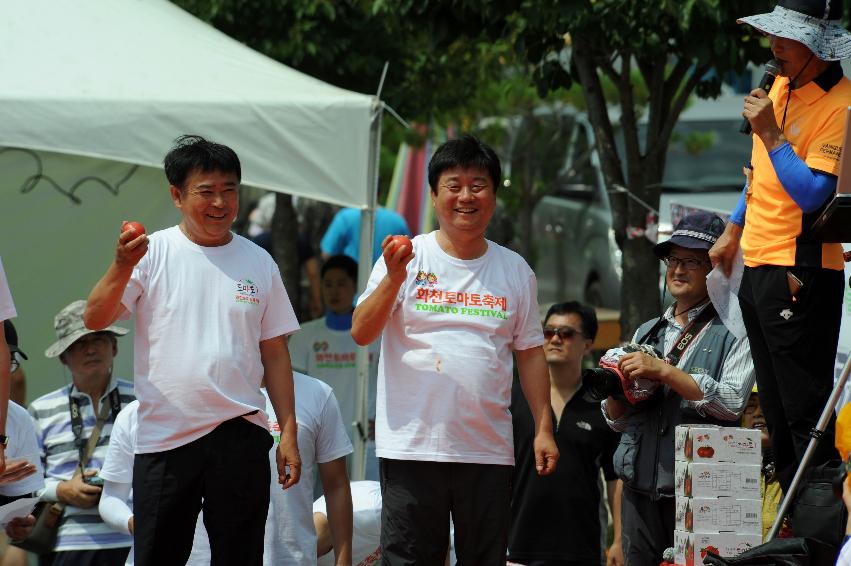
pixel 822 34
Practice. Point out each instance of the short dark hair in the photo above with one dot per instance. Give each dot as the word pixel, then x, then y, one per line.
pixel 343 262
pixel 194 153
pixel 466 151
pixel 585 313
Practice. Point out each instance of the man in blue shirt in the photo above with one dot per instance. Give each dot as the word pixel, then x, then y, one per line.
pixel 343 235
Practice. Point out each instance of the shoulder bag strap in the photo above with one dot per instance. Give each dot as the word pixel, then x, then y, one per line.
pixel 689 333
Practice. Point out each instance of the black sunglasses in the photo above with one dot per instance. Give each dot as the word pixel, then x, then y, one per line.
pixel 564 332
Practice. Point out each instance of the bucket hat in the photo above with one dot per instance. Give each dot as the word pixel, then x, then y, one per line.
pixel 70 328
pixel 815 23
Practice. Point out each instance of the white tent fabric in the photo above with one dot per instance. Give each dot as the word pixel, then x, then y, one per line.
pixel 92 88
pixel 121 79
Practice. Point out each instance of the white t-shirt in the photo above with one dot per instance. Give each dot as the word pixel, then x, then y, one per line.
pixel 445 370
pixel 7 307
pixel 290 535
pixel 201 313
pixel 844 558
pixel 118 468
pixel 118 462
pixel 329 356
pixel 366 515
pixel 23 443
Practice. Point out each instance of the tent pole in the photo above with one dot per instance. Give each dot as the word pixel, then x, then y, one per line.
pixel 367 229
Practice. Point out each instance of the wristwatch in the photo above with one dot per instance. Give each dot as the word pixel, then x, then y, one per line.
pixel 4 440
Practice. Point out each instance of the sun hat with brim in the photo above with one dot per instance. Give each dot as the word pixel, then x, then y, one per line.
pixel 70 328
pixel 698 230
pixel 12 338
pixel 815 23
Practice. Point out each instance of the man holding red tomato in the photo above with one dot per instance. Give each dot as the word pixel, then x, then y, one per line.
pixel 212 317
pixel 452 308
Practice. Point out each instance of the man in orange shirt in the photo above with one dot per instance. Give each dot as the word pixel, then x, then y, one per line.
pixel 791 292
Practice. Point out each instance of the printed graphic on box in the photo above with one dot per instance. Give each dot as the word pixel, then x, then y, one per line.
pixel 721 514
pixel 690 549
pixel 693 479
pixel 715 444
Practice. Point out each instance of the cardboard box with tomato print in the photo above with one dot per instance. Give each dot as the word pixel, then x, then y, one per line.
pixel 690 549
pixel 718 515
pixel 716 444
pixel 695 479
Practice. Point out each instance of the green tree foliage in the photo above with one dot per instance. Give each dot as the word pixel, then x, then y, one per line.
pixel 438 60
pixel 669 49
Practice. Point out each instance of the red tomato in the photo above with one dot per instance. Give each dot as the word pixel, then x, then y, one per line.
pixel 706 452
pixel 136 227
pixel 402 242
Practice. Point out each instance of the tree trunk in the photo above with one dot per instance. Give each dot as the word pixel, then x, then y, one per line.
pixel 640 290
pixel 640 285
pixel 284 245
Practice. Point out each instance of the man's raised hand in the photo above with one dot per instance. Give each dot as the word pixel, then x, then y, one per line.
pixel 725 249
pixel 131 246
pixel 397 252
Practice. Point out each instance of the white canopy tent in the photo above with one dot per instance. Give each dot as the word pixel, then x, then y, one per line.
pixel 94 88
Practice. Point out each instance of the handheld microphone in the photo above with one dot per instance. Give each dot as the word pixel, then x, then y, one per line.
pixel 772 69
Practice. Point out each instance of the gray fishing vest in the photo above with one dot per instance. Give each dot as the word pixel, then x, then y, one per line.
pixel 644 459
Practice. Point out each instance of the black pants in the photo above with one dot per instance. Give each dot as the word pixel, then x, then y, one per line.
pixel 647 528
pixel 793 344
pixel 418 498
pixel 228 469
pixel 102 557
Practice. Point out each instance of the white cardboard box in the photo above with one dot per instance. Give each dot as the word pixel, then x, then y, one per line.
pixel 720 514
pixel 690 548
pixel 695 479
pixel 714 444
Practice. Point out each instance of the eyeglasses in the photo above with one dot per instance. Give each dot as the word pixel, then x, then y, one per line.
pixel 689 263
pixel 564 332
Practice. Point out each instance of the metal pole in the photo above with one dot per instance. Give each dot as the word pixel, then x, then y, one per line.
pixel 811 448
pixel 367 229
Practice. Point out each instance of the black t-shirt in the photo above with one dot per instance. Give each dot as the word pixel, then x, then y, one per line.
pixel 557 517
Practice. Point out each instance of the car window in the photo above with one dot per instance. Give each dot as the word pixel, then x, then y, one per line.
pixel 578 173
pixel 706 155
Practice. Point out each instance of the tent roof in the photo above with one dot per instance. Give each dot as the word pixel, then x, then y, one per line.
pixel 121 79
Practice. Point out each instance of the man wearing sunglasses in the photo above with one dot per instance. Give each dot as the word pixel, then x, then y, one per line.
pixel 556 519
pixel 706 377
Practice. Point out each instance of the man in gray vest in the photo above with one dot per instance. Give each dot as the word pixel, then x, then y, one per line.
pixel 706 377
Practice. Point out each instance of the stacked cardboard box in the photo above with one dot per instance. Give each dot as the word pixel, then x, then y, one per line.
pixel 716 481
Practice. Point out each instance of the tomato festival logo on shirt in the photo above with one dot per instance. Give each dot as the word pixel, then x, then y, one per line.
pixel 459 302
pixel 246 292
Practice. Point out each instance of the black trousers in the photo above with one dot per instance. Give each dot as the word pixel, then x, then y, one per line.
pixel 418 498
pixel 228 469
pixel 793 344
pixel 647 528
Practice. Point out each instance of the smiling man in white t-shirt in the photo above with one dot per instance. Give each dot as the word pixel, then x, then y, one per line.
pixel 212 317
pixel 451 311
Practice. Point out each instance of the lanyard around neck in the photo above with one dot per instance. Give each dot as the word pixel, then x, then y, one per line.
pixel 101 413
